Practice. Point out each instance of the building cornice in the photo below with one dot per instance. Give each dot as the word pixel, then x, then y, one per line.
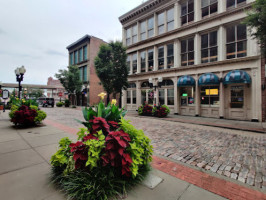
pixel 184 68
pixel 193 24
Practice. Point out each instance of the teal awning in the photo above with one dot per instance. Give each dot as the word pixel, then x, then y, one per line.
pixel 186 81
pixel 209 79
pixel 237 76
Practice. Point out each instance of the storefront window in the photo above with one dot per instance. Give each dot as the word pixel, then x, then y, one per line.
pixel 161 96
pixel 170 96
pixel 129 97
pixel 187 96
pixel 143 96
pixel 210 95
pixel 237 97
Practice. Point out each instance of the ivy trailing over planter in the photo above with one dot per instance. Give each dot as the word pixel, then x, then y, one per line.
pixel 109 156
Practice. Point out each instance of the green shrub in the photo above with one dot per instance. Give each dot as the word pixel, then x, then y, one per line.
pixel 59 104
pixel 67 103
pixel 160 111
pixel 41 115
pixel 74 106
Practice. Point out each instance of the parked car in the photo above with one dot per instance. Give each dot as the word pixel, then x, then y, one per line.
pixel 45 102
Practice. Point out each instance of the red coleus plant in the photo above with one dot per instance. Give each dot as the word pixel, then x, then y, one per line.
pixel 147 110
pixel 80 154
pixel 113 125
pixel 24 116
pixel 99 123
pixel 115 151
pixel 160 112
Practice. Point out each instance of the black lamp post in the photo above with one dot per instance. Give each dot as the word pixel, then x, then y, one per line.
pixel 19 73
pixel 160 80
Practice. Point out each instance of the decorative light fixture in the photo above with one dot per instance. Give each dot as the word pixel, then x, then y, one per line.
pixel 160 80
pixel 20 73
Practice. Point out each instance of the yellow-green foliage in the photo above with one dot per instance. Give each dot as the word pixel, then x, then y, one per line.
pixel 13 109
pixel 34 107
pixel 41 115
pixel 62 156
pixel 140 148
pixel 94 150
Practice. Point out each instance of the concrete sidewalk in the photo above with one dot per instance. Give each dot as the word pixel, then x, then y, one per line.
pixel 25 168
pixel 259 127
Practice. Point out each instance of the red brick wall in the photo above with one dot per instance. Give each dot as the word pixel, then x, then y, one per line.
pixel 95 87
pixel 263 82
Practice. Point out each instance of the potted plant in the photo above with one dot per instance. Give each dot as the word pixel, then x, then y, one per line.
pixel 1 105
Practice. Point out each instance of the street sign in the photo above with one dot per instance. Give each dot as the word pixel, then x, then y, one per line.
pixel 60 94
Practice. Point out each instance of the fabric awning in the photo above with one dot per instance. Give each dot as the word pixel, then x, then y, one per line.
pixel 236 76
pixel 186 81
pixel 209 79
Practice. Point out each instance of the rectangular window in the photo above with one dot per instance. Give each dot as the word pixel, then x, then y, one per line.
pixel 85 53
pixel 161 96
pixel 237 97
pixel 234 3
pixel 134 96
pixel 134 34
pixel 143 30
pixel 187 52
pixel 236 41
pixel 151 27
pixel 210 95
pixel 143 61
pixel 170 19
pixel 187 96
pixel 134 63
pixel 161 57
pixel 161 23
pixel 72 58
pixel 81 74
pixel 208 7
pixel 80 55
pixel 170 97
pixel 129 97
pixel 209 47
pixel 150 60
pixel 76 57
pixel 84 73
pixel 170 55
pixel 128 36
pixel 187 12
pixel 143 97
pixel 128 63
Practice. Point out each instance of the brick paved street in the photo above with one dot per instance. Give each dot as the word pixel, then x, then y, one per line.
pixel 235 154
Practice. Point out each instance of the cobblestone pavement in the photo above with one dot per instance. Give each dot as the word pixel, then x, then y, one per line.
pixel 235 154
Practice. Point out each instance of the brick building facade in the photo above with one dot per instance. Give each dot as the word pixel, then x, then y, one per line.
pixel 82 53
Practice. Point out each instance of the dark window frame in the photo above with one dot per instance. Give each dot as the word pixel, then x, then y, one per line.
pixel 187 14
pixel 209 7
pixel 187 53
pixel 161 58
pixel 209 47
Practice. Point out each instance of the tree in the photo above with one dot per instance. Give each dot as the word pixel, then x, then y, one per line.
pixel 256 22
pixel 36 93
pixel 110 65
pixel 70 80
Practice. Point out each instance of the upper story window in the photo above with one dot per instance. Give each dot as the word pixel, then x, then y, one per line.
pixel 236 41
pixel 170 19
pixel 128 36
pixel 83 73
pixel 208 7
pixel 80 55
pixel 150 60
pixel 76 57
pixel 187 12
pixel 134 63
pixel 134 34
pixel 72 58
pixel 161 18
pixel 128 63
pixel 143 61
pixel 85 52
pixel 151 27
pixel 233 3
pixel 170 55
pixel 161 57
pixel 143 30
pixel 187 52
pixel 209 47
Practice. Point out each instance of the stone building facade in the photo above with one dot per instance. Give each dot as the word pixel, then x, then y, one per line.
pixel 194 56
pixel 82 53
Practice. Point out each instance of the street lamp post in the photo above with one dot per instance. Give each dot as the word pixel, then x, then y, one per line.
pixel 20 73
pixel 160 80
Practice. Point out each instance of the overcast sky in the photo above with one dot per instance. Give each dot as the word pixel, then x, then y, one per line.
pixel 35 33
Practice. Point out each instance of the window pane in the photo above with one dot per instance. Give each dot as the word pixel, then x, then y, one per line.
pixel 161 52
pixel 190 6
pixel 134 96
pixel 134 39
pixel 143 61
pixel 170 15
pixel 183 9
pixel 143 27
pixel 150 33
pixel 204 3
pixel 237 97
pixel 161 96
pixel 128 64
pixel 183 46
pixel 76 57
pixel 143 96
pixel 150 23
pixel 161 29
pixel 161 57
pixel 213 38
pixel 213 54
pixel 191 44
pixel 81 73
pixel 170 62
pixel 230 3
pixel 191 58
pixel 160 19
pixel 170 55
pixel 184 59
pixel 240 1
pixel 241 49
pixel 129 97
pixel 230 49
pixel 128 33
pixel 241 32
pixel 134 62
pixel 230 34
pixel 213 1
pixel 129 41
pixel 134 30
pixel 204 41
pixel 143 36
pixel 85 52
pixel 190 17
pixel 187 96
pixel 214 8
pixel 170 26
pixel 184 19
pixel 85 73
pixel 80 55
pixel 71 59
pixel 204 56
pixel 150 60
pixel 170 50
pixel 170 97
pixel 205 11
